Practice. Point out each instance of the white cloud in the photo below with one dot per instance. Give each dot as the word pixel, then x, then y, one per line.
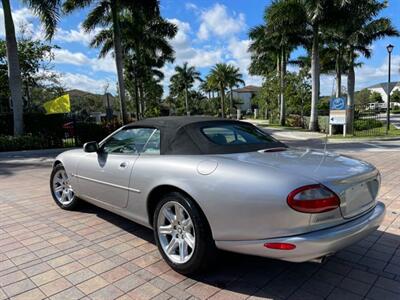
pixel 22 18
pixel 86 83
pixel 185 52
pixel 66 57
pixel 241 58
pixel 216 21
pixel 366 76
pixel 369 75
pixel 72 35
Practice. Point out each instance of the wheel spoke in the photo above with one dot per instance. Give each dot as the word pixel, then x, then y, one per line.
pixel 169 215
pixel 189 239
pixel 58 189
pixel 70 195
pixel 183 250
pixel 179 212
pixel 172 246
pixel 62 200
pixel 166 229
pixel 187 223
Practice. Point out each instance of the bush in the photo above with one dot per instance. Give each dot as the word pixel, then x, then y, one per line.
pixel 294 121
pixel 365 124
pixel 323 123
pixel 28 142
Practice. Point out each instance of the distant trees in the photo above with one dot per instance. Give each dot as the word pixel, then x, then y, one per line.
pixel 108 13
pixel 334 33
pixel 48 12
pixel 182 81
pixel 284 30
pixel 146 49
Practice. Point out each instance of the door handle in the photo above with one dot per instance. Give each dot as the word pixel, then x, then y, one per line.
pixel 123 164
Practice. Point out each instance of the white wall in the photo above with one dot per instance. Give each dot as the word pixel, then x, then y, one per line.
pixel 245 98
pixel 383 93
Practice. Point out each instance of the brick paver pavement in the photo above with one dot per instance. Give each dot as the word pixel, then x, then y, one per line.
pixel 46 252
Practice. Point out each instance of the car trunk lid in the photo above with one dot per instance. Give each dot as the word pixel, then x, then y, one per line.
pixel 356 182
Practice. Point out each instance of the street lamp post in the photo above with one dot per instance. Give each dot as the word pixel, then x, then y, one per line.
pixel 389 50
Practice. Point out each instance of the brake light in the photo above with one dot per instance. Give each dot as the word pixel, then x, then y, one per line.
pixel 280 246
pixel 313 199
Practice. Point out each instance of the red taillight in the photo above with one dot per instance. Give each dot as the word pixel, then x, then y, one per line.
pixel 280 246
pixel 313 199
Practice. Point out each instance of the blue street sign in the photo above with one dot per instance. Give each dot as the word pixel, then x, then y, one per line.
pixel 338 104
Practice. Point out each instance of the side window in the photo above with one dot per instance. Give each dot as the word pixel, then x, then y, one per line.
pixel 128 141
pixel 153 144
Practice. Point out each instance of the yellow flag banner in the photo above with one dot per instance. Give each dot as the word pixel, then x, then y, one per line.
pixel 60 105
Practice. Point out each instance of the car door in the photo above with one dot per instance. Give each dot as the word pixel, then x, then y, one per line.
pixel 104 175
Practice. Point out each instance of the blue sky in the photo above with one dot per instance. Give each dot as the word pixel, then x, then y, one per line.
pixel 209 32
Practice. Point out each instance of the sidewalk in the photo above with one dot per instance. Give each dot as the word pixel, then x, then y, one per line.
pixel 298 134
pixel 25 154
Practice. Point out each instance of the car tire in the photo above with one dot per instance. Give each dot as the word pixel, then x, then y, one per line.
pixel 204 253
pixel 66 201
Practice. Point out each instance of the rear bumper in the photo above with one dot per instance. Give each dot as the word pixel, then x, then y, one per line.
pixel 314 244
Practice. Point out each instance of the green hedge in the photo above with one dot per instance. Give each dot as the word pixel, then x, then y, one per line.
pixel 28 142
pixel 365 124
pixel 323 123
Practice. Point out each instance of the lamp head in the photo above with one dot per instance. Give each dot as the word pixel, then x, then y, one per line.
pixel 389 48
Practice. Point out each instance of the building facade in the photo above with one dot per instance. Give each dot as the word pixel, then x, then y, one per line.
pixel 381 88
pixel 244 95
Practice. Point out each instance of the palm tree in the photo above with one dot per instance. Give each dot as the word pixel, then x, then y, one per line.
pixel 319 14
pixel 363 30
pixel 220 76
pixel 284 30
pixel 146 49
pixel 108 12
pixel 235 79
pixel 183 80
pixel 48 12
pixel 206 88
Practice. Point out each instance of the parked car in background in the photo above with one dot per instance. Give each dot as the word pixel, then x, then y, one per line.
pixel 204 184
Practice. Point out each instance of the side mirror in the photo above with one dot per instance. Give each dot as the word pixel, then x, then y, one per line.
pixel 91 147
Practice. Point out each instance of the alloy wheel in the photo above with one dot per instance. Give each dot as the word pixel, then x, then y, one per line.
pixel 176 232
pixel 62 188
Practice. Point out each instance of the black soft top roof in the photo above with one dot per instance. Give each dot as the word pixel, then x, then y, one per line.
pixel 182 135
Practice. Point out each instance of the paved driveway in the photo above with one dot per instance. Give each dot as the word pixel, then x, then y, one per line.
pixel 46 252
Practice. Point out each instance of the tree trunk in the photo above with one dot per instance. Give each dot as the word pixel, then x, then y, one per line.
pixel 187 101
pixel 14 72
pixel 142 108
pixel 119 60
pixel 315 69
pixel 278 75
pixel 338 69
pixel 137 99
pixel 282 114
pixel 222 96
pixel 351 79
pixel 231 102
pixel 144 96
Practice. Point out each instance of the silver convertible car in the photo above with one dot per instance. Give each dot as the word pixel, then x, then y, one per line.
pixel 205 184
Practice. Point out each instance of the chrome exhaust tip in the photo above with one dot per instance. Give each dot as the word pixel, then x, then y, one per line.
pixel 318 260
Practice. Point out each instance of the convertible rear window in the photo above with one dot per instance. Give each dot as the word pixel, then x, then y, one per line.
pixel 236 134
